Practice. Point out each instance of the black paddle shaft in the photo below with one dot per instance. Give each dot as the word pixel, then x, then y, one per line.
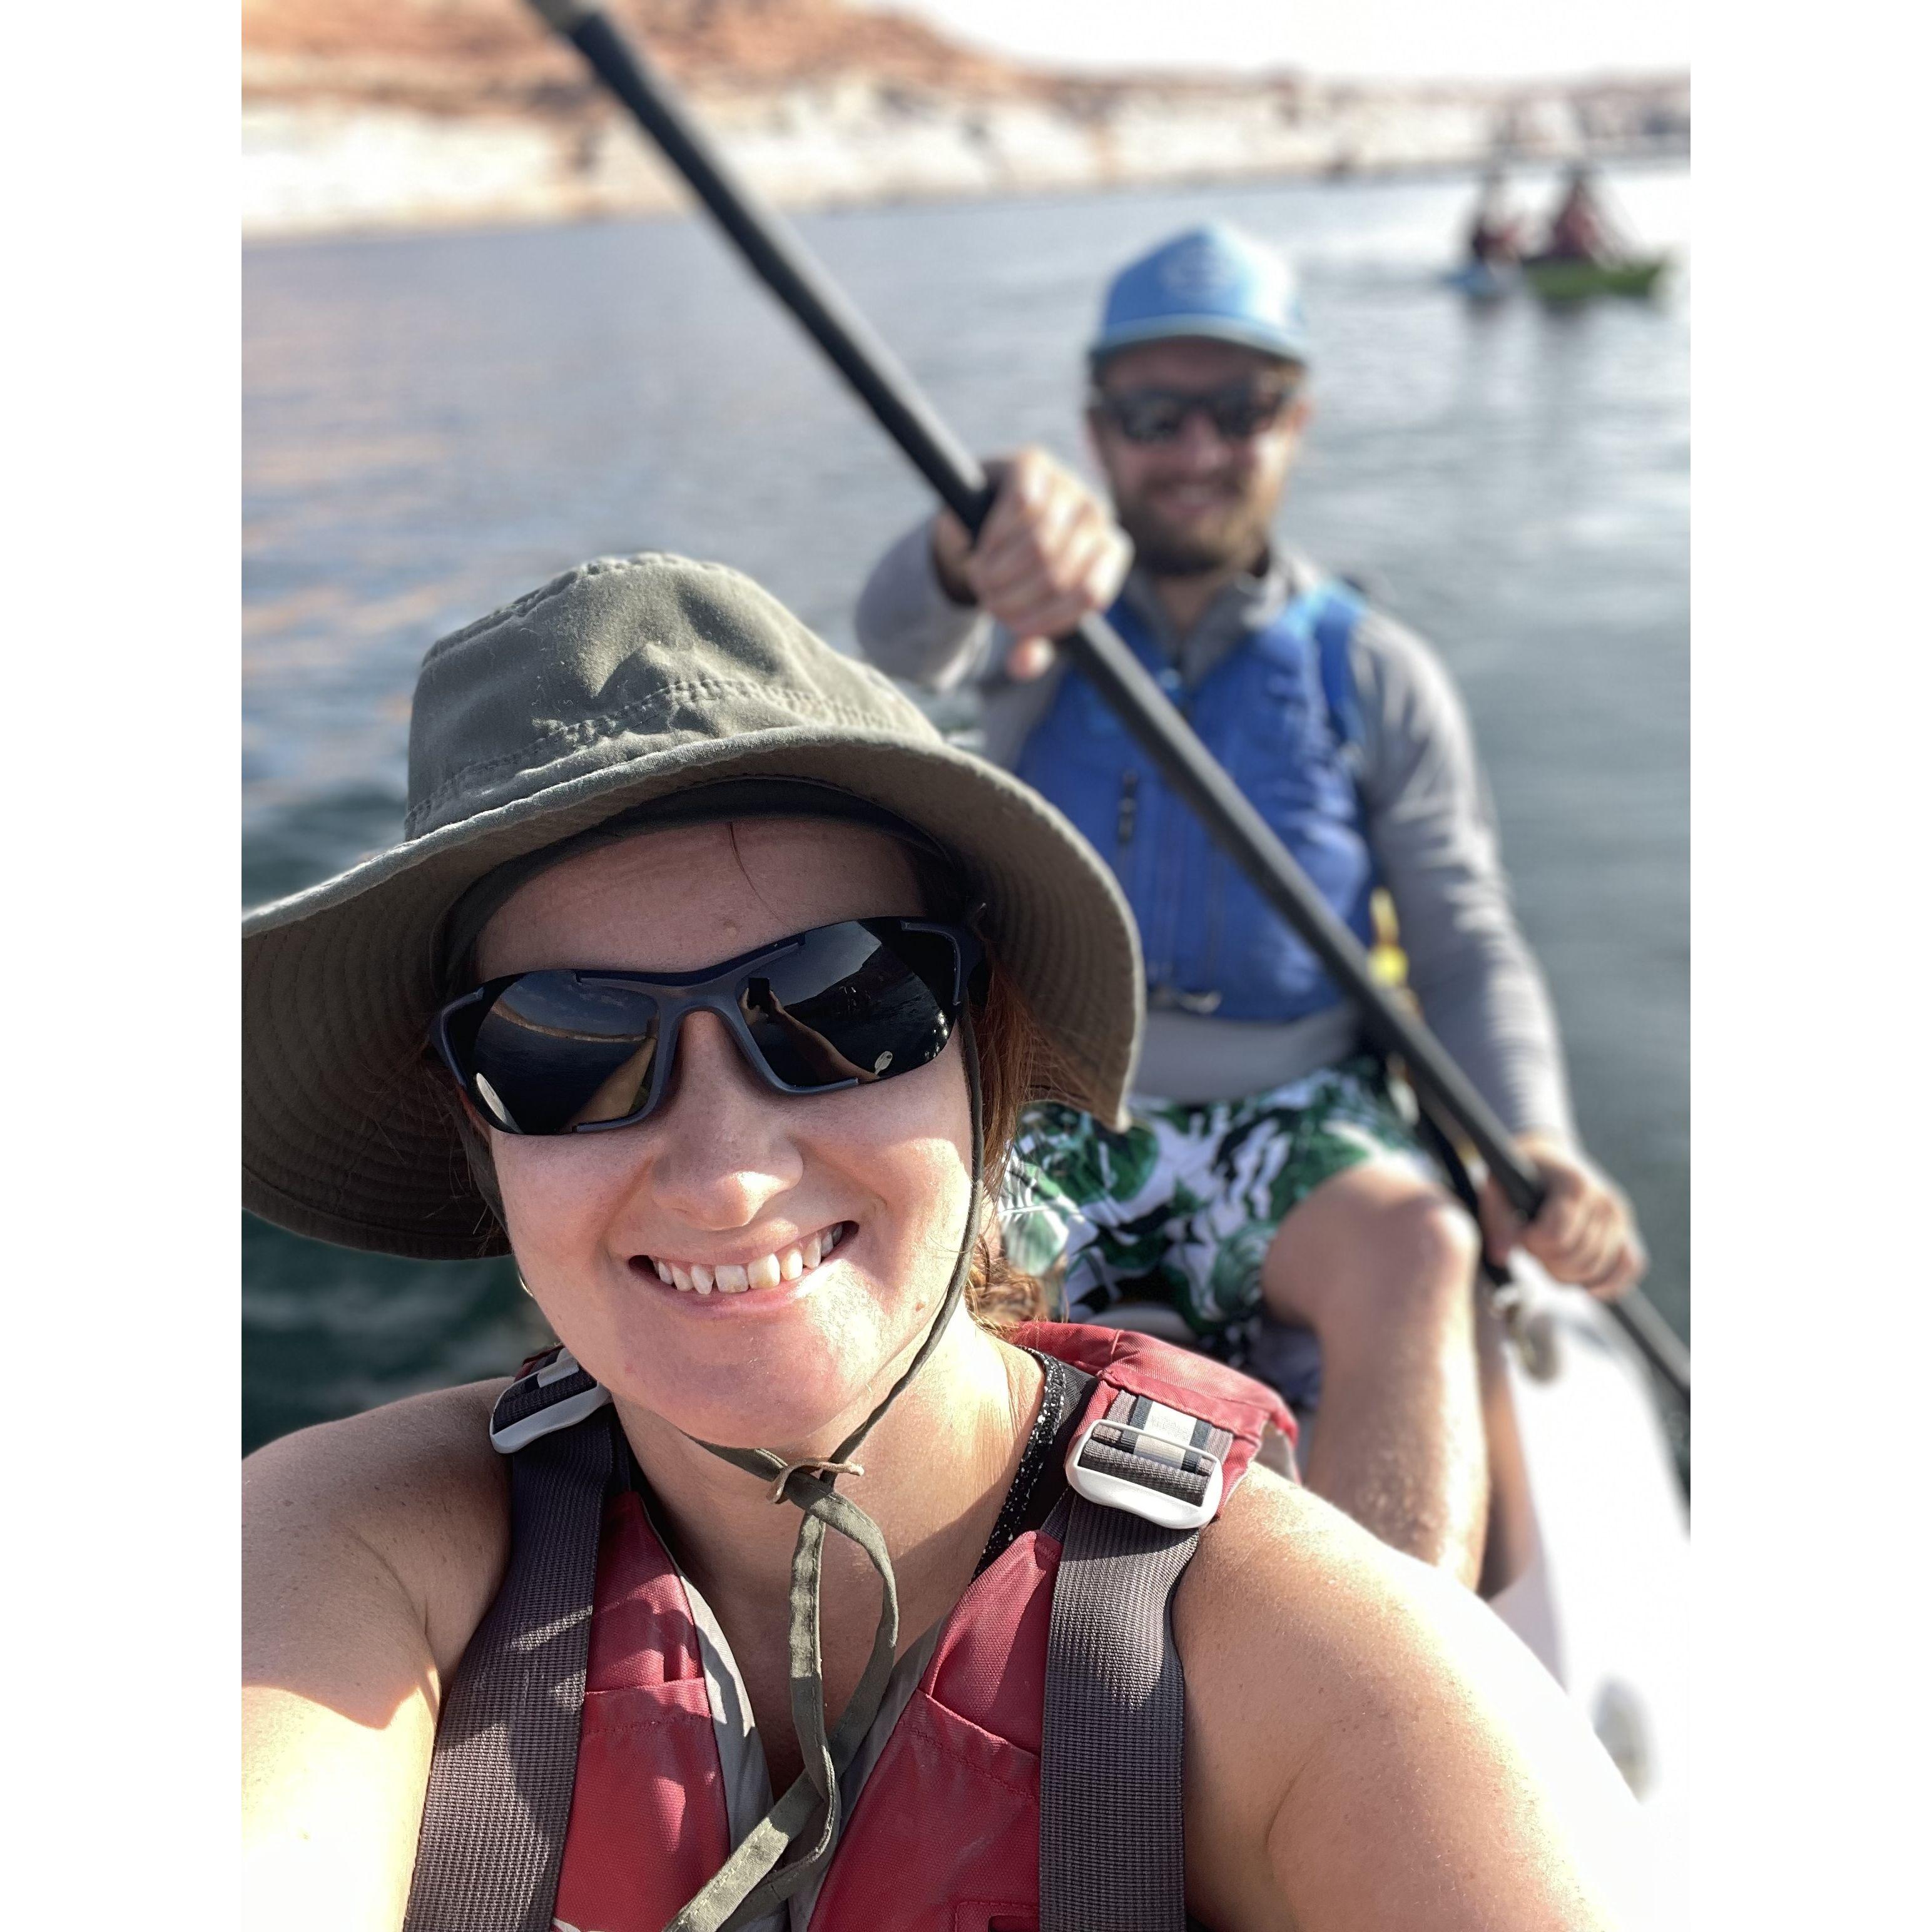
pixel 782 262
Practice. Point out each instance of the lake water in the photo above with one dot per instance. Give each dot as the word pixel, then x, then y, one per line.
pixel 434 424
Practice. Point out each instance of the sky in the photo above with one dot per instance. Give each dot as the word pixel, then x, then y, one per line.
pixel 1413 39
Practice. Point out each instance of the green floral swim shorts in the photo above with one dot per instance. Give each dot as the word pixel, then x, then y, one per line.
pixel 1181 1206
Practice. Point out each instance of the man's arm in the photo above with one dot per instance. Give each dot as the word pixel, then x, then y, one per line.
pixel 371 1549
pixel 1048 554
pixel 1433 826
pixel 910 627
pixel 1368 1746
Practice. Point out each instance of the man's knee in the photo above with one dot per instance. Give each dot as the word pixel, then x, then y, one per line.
pixel 1377 1246
pixel 1425 1241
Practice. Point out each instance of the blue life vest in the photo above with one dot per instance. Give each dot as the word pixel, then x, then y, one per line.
pixel 1280 713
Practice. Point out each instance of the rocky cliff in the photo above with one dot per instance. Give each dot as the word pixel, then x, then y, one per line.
pixel 384 113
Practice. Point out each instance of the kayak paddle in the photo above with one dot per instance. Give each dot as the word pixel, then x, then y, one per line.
pixel 781 261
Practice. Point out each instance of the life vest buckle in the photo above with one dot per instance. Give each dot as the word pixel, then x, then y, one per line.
pixel 515 1422
pixel 1146 1472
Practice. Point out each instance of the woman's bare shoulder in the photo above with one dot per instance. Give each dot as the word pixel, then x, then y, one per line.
pixel 1359 1726
pixel 412 1487
pixel 371 1547
pixel 1282 1570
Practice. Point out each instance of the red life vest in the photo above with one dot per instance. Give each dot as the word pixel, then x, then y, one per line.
pixel 945 1836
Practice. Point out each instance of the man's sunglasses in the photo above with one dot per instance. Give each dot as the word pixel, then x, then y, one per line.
pixel 572 1051
pixel 1237 411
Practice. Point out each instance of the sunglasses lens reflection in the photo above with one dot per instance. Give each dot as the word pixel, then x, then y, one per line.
pixel 554 1050
pixel 849 1004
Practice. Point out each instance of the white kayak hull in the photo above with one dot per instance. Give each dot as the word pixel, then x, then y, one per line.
pixel 1604 1597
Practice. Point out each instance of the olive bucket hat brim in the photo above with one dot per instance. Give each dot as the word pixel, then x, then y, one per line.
pixel 623 682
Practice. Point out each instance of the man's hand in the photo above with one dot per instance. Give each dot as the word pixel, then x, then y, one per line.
pixel 1047 555
pixel 1586 1233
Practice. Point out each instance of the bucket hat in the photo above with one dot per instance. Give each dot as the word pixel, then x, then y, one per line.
pixel 1215 281
pixel 626 680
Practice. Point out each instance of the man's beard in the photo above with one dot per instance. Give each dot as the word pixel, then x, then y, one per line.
pixel 1234 541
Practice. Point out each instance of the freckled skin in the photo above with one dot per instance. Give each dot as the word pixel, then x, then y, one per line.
pixel 725 1159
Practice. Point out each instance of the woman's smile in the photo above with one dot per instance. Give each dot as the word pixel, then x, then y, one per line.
pixel 781 1265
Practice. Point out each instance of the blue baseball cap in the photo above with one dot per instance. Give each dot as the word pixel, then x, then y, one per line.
pixel 1213 281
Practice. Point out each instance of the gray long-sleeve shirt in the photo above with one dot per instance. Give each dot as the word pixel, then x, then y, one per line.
pixel 1430 824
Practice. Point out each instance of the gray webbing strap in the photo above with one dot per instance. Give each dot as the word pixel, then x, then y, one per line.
pixel 1110 1773
pixel 491 1848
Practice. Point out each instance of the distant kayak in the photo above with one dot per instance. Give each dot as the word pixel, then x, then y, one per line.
pixel 1484 281
pixel 1577 281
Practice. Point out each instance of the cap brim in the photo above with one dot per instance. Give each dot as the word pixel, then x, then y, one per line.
pixel 348 1131
pixel 1283 347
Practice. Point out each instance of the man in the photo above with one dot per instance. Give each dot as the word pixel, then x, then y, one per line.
pixel 1580 229
pixel 1270 1169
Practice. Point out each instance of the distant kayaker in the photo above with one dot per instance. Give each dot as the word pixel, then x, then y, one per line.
pixel 708 980
pixel 1495 232
pixel 1268 1166
pixel 1580 229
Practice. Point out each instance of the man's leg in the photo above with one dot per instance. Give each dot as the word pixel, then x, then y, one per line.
pixel 1310 1197
pixel 1381 1264
pixel 1086 1204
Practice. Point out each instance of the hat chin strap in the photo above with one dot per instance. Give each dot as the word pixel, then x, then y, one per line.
pixel 752 1881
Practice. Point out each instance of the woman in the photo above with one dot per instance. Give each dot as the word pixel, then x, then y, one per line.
pixel 735 978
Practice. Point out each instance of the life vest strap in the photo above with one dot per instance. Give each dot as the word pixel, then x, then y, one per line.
pixel 490 1850
pixel 1144 1480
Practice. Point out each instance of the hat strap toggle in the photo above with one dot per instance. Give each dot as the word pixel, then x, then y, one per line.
pixel 786 1470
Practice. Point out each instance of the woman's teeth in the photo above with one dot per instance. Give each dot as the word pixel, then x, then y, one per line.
pixel 767 1271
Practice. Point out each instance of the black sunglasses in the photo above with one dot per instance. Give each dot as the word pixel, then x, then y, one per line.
pixel 1237 411
pixel 573 1051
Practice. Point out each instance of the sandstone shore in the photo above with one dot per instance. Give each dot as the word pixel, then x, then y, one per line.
pixel 430 113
